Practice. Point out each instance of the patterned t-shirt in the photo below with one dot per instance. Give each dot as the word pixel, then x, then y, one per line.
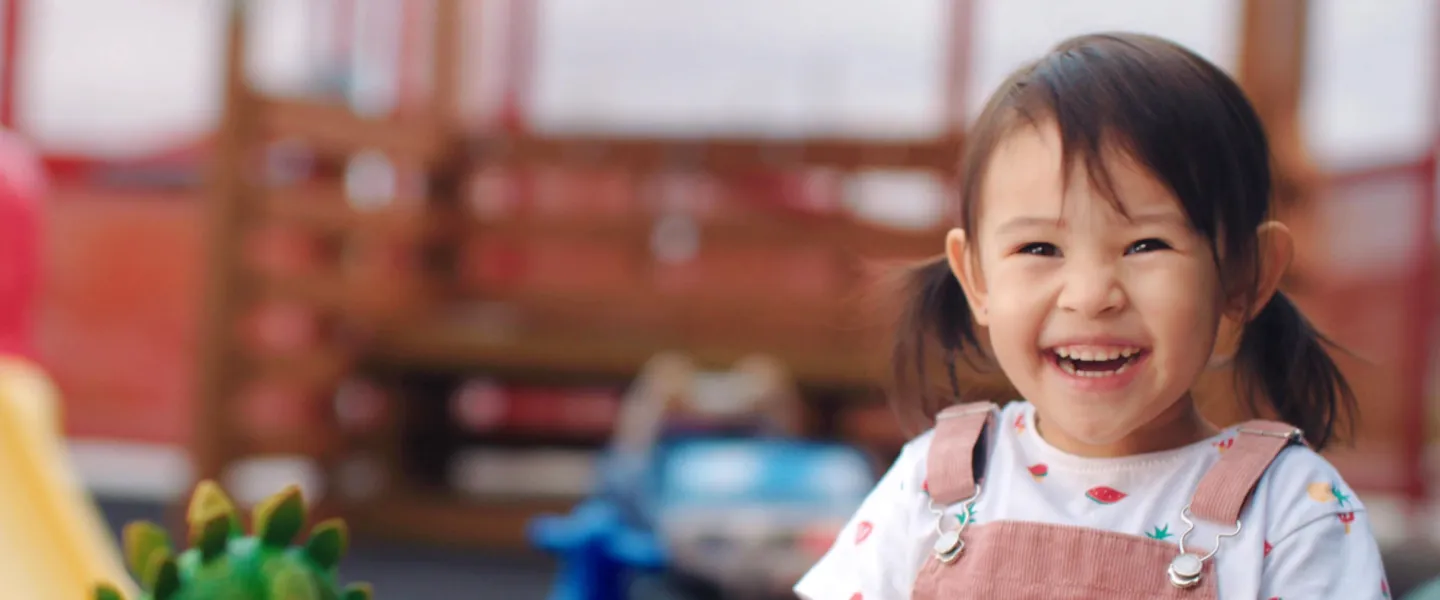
pixel 1304 534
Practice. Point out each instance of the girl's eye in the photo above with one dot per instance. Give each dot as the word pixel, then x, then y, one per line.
pixel 1147 245
pixel 1040 249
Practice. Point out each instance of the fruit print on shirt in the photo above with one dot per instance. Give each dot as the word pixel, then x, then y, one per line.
pixel 1038 471
pixel 1020 423
pixel 1159 533
pixel 1324 491
pixel 1224 444
pixel 1347 518
pixel 1268 547
pixel 863 530
pixel 1101 494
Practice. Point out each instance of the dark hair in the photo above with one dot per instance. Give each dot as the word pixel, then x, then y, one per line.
pixel 1192 126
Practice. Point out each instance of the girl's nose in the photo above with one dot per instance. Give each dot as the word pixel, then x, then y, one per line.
pixel 1091 288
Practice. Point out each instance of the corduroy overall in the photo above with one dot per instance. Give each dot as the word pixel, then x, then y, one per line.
pixel 1024 560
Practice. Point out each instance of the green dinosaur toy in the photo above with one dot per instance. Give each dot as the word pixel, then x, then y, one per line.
pixel 223 563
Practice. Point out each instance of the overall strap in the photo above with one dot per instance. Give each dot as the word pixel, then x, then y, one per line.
pixel 951 464
pixel 1226 487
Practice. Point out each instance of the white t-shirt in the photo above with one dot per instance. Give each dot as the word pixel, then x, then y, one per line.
pixel 1304 534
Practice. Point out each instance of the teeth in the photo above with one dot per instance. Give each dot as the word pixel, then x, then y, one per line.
pixel 1068 366
pixel 1095 353
pixel 1069 355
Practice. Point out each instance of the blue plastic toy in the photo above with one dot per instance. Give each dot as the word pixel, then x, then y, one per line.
pixel 693 513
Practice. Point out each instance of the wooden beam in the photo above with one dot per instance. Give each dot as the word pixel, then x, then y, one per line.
pixel 333 130
pixel 717 154
pixel 845 236
pixel 227 211
pixel 1271 68
pixel 323 209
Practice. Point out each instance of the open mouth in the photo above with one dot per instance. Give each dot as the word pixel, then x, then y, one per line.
pixel 1093 361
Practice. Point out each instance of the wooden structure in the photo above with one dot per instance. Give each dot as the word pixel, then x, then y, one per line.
pixel 384 290
pixel 378 278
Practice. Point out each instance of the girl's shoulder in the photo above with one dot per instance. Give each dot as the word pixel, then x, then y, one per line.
pixel 910 465
pixel 1300 488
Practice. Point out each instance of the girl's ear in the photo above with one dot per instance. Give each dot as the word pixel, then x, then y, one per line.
pixel 965 265
pixel 1276 248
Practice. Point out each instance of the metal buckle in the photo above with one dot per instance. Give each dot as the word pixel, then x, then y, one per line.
pixel 1187 567
pixel 1294 435
pixel 949 545
pixel 962 410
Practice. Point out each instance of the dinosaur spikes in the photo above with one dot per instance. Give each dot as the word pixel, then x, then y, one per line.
pixel 208 502
pixel 293 583
pixel 328 541
pixel 280 517
pixel 142 539
pixel 164 583
pixel 356 591
pixel 214 535
pixel 149 576
pixel 225 559
pixel 106 591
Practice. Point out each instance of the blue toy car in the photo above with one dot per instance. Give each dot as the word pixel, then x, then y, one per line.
pixel 706 492
pixel 710 517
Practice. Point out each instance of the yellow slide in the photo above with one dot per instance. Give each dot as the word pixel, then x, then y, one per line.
pixel 54 543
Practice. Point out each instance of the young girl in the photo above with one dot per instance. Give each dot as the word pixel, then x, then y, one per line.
pixel 1114 223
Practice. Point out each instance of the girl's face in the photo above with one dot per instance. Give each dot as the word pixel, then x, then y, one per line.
pixel 1103 322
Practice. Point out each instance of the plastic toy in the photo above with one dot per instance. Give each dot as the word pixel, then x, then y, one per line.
pixel 1429 591
pixel 701 497
pixel 56 541
pixel 22 190
pixel 223 563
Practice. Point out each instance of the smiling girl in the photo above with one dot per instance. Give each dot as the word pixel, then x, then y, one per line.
pixel 1115 200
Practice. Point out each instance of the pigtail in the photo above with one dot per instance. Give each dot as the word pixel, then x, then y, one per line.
pixel 936 316
pixel 1282 356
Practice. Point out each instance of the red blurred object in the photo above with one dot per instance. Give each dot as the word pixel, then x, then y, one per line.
pixel 362 405
pixel 274 408
pixel 483 405
pixel 22 187
pixel 480 405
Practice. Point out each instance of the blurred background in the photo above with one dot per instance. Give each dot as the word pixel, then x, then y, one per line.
pixel 452 265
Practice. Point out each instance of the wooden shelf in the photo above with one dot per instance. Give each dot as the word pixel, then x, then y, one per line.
pixel 494 524
pixel 288 444
pixel 850 237
pixel 455 345
pixel 332 129
pixel 324 209
pixel 716 155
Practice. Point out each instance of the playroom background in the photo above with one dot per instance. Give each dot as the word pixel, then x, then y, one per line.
pixel 465 271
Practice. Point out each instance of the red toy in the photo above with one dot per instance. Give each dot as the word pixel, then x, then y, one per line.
pixel 22 189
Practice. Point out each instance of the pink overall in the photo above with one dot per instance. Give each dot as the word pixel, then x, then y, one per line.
pixel 1017 559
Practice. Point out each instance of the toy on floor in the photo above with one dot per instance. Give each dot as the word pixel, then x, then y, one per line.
pixel 705 491
pixel 224 563
pixel 1429 591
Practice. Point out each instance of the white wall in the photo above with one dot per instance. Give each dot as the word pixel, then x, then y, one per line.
pixel 114 76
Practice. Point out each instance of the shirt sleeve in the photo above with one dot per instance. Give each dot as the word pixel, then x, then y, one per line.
pixel 876 556
pixel 1334 555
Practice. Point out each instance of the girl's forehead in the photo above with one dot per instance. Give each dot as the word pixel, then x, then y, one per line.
pixel 1025 179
